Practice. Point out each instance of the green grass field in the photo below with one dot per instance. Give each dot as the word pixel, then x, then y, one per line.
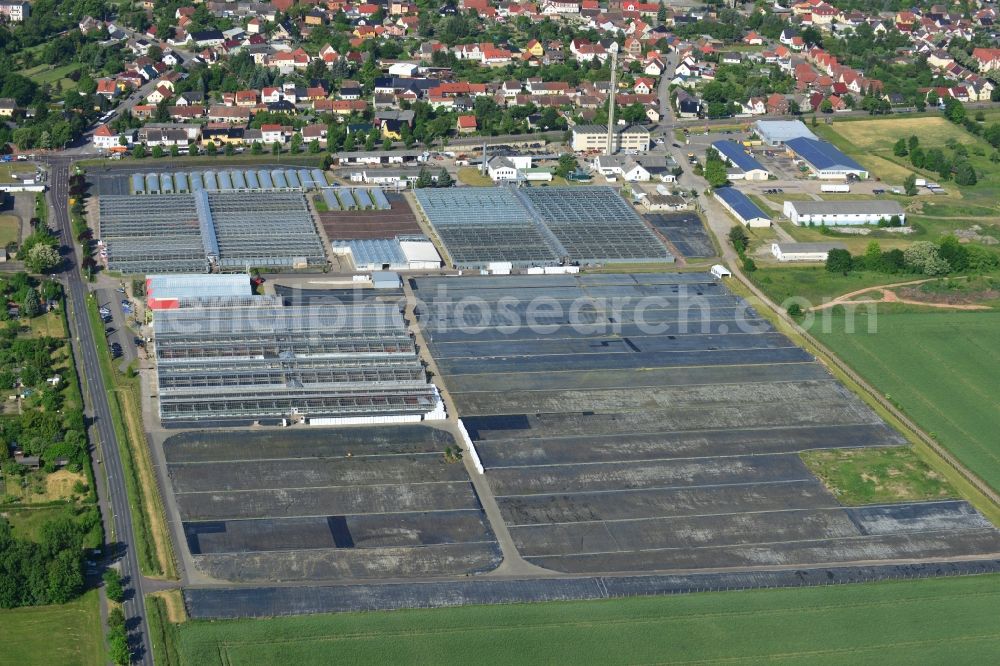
pixel 877 476
pixel 924 621
pixel 941 369
pixel 55 76
pixel 815 283
pixel 871 143
pixel 67 635
pixel 10 229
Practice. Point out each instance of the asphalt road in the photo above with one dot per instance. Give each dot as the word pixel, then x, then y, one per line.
pixel 87 359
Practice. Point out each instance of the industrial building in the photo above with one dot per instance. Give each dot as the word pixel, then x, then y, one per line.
pixel 804 251
pixel 539 226
pixel 595 138
pixel 167 292
pixel 843 213
pixel 824 160
pixel 402 253
pixel 263 362
pixel 741 207
pixel 744 166
pixel 208 229
pixel 778 132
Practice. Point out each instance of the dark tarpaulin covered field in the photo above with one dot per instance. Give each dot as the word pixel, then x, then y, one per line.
pixel 327 504
pixel 653 423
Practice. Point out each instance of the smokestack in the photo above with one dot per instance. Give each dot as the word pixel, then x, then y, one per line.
pixel 611 104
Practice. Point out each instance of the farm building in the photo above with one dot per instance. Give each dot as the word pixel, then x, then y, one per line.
pixel 777 132
pixel 165 292
pixel 825 160
pixel 744 166
pixel 742 208
pixel 804 251
pixel 842 213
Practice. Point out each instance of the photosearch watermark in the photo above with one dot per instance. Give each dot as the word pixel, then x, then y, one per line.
pixel 567 311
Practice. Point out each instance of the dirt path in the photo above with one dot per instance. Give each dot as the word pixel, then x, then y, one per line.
pixel 889 296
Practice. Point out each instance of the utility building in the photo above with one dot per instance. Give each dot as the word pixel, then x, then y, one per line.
pixel 842 213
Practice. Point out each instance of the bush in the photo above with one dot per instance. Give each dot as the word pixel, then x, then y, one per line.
pixel 738 237
pixel 839 261
pixel 795 310
pixel 749 265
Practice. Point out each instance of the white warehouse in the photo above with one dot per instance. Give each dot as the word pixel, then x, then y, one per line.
pixel 842 213
pixel 804 251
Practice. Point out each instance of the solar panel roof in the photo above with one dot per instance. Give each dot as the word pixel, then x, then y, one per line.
pixel 735 153
pixel 822 156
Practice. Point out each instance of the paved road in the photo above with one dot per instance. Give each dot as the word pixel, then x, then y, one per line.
pixel 87 361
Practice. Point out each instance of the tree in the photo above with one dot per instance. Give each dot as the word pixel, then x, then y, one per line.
pixel 910 185
pixel 139 151
pixel 826 106
pixel 256 148
pixel 157 152
pixel 965 174
pixel 992 135
pixel 276 148
pixel 715 172
pixel 567 165
pixel 749 265
pixel 116 618
pixel 211 148
pixel 296 143
pixel 119 651
pixel 229 149
pixel 113 585
pixel 314 146
pixel 738 237
pixel 900 149
pixel 917 157
pixel 956 254
pixel 661 13
pixel 954 110
pixel 444 178
pixel 423 179
pixel 175 150
pixel 872 258
pixel 42 258
pixel 839 261
pixel 31 306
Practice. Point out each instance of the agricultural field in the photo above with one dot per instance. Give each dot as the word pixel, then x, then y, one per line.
pixel 881 134
pixel 67 634
pixel 921 621
pixel 941 369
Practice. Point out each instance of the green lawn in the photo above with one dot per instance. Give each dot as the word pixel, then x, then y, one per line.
pixel 923 621
pixel 941 369
pixel 877 475
pixel 44 635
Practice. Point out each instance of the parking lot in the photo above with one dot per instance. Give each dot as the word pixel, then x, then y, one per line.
pixel 614 447
pixel 320 504
pixel 117 329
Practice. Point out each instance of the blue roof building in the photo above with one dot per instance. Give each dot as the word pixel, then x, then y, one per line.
pixel 735 154
pixel 742 208
pixel 825 160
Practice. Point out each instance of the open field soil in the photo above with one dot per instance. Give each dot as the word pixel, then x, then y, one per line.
pixel 70 634
pixel 920 621
pixel 325 504
pixel 624 434
pixel 941 369
pixel 398 220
